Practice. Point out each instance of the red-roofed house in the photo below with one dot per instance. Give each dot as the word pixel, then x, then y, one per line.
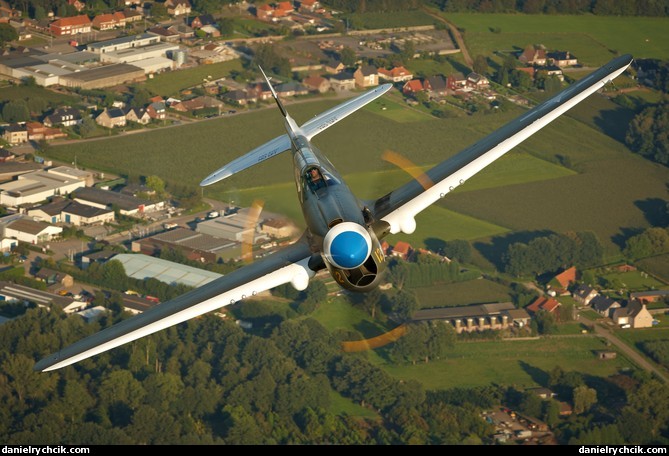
pixel 71 25
pixel 265 12
pixel 318 83
pixel 397 74
pixel 77 5
pixel 108 21
pixel 402 249
pixel 566 277
pixel 385 247
pixel 532 56
pixel 413 86
pixel 283 9
pixel 550 305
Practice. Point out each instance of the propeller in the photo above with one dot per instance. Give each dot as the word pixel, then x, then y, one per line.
pixel 407 165
pixel 248 239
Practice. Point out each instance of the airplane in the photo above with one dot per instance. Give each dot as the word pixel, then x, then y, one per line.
pixel 342 232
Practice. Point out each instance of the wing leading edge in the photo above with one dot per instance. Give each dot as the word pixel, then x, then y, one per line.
pixel 289 265
pixel 400 207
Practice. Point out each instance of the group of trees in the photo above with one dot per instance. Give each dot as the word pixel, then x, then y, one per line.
pixel 647 133
pixel 550 253
pixel 652 241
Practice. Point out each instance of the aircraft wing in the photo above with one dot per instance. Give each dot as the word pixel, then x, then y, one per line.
pixel 310 129
pixel 289 265
pixel 399 207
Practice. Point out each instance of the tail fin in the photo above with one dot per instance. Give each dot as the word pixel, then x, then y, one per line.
pixel 291 126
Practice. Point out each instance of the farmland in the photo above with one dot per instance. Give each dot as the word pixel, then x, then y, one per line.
pixel 462 293
pixel 592 39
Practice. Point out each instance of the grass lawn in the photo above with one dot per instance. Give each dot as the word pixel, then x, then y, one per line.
pixel 170 83
pixel 477 291
pixel 340 405
pixel 338 313
pixel 635 281
pixel 389 19
pixel 566 329
pixel 22 92
pixel 593 39
pixel 590 314
pixel 521 363
pixel 396 111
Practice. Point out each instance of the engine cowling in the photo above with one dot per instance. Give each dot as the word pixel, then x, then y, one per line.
pixel 353 256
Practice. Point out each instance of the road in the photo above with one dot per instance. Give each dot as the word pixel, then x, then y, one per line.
pixel 628 351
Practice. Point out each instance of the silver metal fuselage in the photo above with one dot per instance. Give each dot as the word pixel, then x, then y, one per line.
pixel 328 204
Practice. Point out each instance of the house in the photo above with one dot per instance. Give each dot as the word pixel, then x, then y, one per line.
pixel 625 268
pixel 401 249
pixel 552 70
pixel 277 228
pixel 27 230
pixel 542 393
pixel 412 87
pixel 202 20
pixel 197 103
pixel 138 115
pixel 177 7
pixel 78 5
pixel 317 84
pixel 604 305
pixel 236 97
pixel 396 74
pixel 456 81
pixel 51 277
pixel 633 315
pixel 584 294
pixel 108 21
pixel 15 133
pixel 71 25
pixel 283 9
pixel 436 86
pixel 110 118
pixel 517 317
pixel 342 82
pixel 265 12
pixel 562 58
pixel 291 89
pixel 477 81
pixel 37 132
pixel 532 56
pixel 649 296
pixel 157 110
pixel 65 117
pixel 334 66
pixel 165 34
pixel 544 303
pixel 564 279
pixel 260 91
pixel 366 76
pixel 309 6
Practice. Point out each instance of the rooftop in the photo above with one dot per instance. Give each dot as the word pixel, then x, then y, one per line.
pixel 144 267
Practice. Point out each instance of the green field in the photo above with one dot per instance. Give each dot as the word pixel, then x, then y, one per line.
pixel 389 19
pixel 477 291
pixel 340 405
pixel 22 92
pixel 172 82
pixel 593 39
pixel 338 313
pixel 395 111
pixel 519 363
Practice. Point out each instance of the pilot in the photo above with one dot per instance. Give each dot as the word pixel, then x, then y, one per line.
pixel 315 179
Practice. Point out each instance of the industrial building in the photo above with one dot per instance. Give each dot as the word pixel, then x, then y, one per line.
pixel 105 76
pixel 105 199
pixel 136 54
pixel 27 230
pixel 37 186
pixel 125 42
pixel 144 267
pixel 241 226
pixel 19 293
pixel 195 246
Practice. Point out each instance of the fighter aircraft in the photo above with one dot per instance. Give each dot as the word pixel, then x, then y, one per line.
pixel 342 232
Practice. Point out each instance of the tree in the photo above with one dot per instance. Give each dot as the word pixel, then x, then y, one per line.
pixel 458 250
pixel 156 184
pixel 87 127
pixel 480 64
pixel 404 304
pixel 158 9
pixel 584 398
pixel 348 56
pixel 646 134
pixel 15 110
pixel 7 34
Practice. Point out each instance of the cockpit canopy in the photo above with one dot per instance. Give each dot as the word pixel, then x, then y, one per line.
pixel 315 179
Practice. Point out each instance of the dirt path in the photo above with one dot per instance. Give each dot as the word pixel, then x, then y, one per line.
pixel 456 35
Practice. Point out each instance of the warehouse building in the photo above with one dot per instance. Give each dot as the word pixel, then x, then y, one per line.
pixel 105 76
pixel 31 188
pixel 144 267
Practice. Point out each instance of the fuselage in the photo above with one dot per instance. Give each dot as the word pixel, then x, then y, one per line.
pixel 337 225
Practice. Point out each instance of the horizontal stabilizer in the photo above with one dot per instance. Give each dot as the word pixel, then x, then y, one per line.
pixel 310 129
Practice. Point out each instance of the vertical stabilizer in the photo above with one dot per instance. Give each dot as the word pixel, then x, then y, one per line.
pixel 291 126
